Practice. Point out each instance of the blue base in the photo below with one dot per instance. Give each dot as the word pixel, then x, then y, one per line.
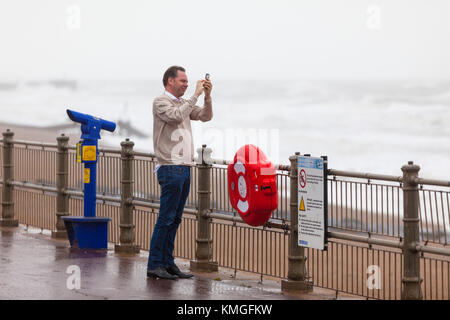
pixel 87 232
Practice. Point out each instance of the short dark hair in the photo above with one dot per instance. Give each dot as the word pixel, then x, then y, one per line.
pixel 171 73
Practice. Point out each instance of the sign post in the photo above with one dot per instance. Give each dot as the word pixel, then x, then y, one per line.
pixel 312 202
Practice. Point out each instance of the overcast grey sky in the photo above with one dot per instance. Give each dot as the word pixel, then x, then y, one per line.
pixel 141 38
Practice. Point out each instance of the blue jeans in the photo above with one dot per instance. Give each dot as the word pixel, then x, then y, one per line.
pixel 175 181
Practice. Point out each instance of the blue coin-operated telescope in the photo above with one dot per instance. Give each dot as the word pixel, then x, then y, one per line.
pixel 89 231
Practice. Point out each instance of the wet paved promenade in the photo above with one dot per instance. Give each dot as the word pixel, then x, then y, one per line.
pixel 34 266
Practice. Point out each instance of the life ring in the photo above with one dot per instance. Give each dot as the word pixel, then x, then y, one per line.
pixel 252 185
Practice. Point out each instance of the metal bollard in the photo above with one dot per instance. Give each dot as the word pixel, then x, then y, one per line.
pixel 411 289
pixel 203 254
pixel 297 275
pixel 62 175
pixel 7 219
pixel 127 227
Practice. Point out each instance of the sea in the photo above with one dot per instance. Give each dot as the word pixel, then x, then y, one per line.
pixel 372 126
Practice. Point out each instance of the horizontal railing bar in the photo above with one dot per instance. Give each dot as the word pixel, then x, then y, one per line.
pixel 281 167
pixel 101 149
pixel 153 205
pixel 363 239
pixel 79 193
pixel 144 154
pixel 374 176
pixel 283 226
pixel 386 243
pixel 224 217
pixel 362 175
pixel 35 144
pixel 108 198
pixel 433 182
pixel 268 224
pixel 220 161
pixel 55 145
pixel 76 193
pixel 30 185
pixel 110 150
pixel 433 250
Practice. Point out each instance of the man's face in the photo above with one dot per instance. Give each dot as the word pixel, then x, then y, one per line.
pixel 178 85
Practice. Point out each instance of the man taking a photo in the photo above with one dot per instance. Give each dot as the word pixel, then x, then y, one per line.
pixel 174 149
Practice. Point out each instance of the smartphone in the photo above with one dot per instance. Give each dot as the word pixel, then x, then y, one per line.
pixel 207 76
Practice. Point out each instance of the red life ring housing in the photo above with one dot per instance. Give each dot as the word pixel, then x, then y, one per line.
pixel 252 185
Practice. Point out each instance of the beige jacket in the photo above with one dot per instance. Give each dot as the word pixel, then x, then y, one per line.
pixel 172 134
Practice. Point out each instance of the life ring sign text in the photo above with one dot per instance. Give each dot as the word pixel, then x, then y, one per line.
pixel 311 207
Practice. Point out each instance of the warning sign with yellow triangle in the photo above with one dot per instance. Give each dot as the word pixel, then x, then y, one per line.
pixel 302 205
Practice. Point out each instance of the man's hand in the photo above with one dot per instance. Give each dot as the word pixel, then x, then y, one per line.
pixel 199 88
pixel 207 85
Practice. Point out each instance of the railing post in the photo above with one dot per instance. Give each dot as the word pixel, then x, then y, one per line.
pixel 203 253
pixel 7 219
pixel 297 275
pixel 62 174
pixel 411 280
pixel 127 227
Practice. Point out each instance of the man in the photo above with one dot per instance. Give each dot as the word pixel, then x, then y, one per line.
pixel 174 149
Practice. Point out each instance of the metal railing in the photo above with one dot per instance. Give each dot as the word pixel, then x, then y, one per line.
pixel 365 217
